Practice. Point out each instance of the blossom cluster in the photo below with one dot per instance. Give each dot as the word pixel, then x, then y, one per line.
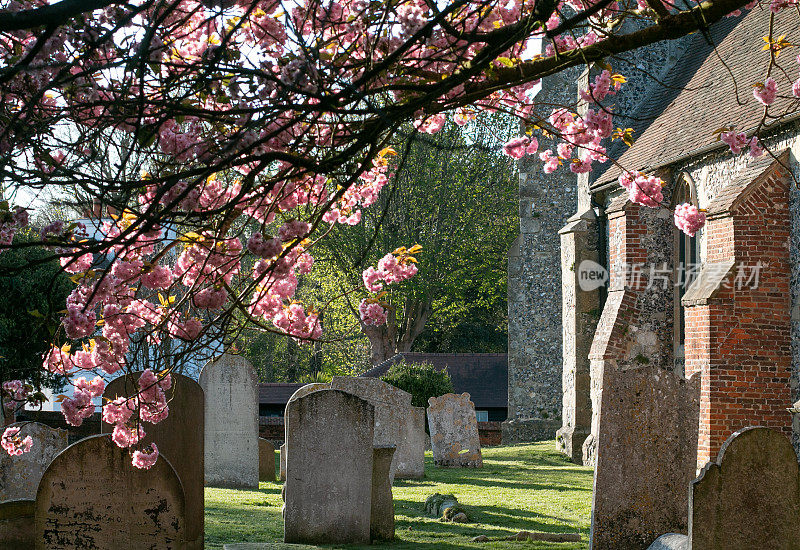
pixel 13 443
pixel 395 267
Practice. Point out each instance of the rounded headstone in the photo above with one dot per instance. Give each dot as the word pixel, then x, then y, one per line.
pixel 396 422
pixel 91 496
pixel 180 439
pixel 231 439
pixel 20 475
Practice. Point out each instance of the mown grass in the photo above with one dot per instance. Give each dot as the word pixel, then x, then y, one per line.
pixel 521 487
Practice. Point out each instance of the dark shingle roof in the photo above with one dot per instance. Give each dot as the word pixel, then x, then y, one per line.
pixel 483 375
pixel 700 93
pixel 276 394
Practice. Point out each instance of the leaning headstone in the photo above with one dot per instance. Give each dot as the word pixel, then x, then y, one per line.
pixel 282 462
pixel 454 431
pixel 328 468
pixel 750 497
pixel 180 439
pixel 91 496
pixel 266 460
pixel 646 456
pixel 16 524
pixel 396 422
pixel 381 521
pixel 231 441
pixel 20 475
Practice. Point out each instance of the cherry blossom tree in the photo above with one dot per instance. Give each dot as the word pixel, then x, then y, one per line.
pixel 227 137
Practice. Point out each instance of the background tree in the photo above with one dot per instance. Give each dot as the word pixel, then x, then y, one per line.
pixel 421 380
pixel 455 195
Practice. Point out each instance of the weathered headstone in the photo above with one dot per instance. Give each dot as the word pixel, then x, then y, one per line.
pixel 646 456
pixel 20 475
pixel 328 468
pixel 92 497
pixel 750 497
pixel 282 462
pixel 17 524
pixel 454 431
pixel 381 526
pixel 231 431
pixel 180 439
pixel 396 423
pixel 266 460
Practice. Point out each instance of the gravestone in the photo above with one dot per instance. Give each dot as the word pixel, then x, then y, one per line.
pixel 17 524
pixel 20 475
pixel 266 460
pixel 396 423
pixel 231 431
pixel 454 431
pixel 381 521
pixel 282 462
pixel 750 497
pixel 180 439
pixel 646 456
pixel 328 468
pixel 92 497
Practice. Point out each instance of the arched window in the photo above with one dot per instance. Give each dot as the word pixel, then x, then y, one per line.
pixel 687 260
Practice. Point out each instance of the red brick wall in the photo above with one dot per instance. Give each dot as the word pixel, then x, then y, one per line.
pixel 489 433
pixel 740 340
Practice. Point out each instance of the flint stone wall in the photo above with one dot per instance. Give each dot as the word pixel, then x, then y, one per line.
pixel 396 422
pixel 91 496
pixel 330 504
pixel 231 417
pixel 180 438
pixel 20 475
pixel 454 431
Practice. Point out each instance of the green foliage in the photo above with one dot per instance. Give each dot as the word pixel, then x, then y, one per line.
pixel 455 194
pixel 421 380
pixel 520 488
pixel 33 295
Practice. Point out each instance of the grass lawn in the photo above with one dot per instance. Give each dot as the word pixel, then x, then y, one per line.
pixel 521 487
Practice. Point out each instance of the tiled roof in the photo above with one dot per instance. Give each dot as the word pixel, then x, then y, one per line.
pixel 749 176
pixel 699 95
pixel 276 394
pixel 483 375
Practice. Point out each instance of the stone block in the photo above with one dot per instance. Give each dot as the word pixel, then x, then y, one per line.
pixel 670 541
pixel 749 497
pixel 180 438
pixel 282 463
pixel 17 524
pixel 231 430
pixel 329 455
pixel 91 496
pixel 645 456
pixel 266 460
pixel 20 475
pixel 381 522
pixel 454 431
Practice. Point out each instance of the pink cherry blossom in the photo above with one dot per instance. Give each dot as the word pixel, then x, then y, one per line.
pixel 13 443
pixel 372 313
pixel 766 92
pixel 143 460
pixel 689 219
